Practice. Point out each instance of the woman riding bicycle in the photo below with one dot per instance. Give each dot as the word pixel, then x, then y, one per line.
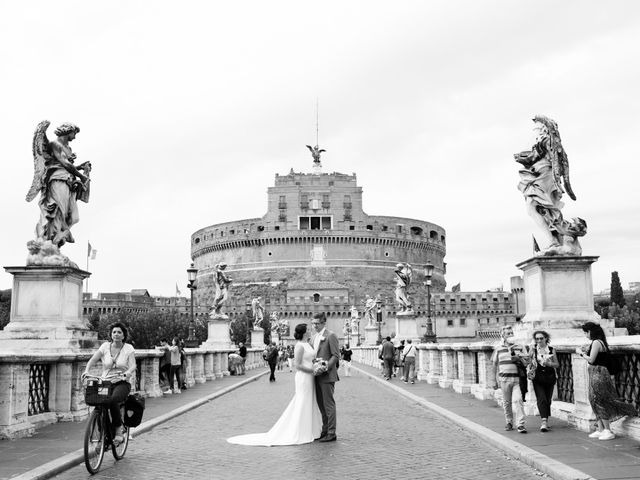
pixel 118 363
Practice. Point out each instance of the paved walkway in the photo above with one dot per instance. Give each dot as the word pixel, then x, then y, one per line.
pixel 385 429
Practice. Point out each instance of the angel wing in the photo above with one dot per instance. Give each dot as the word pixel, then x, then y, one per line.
pixel 320 151
pixel 310 148
pixel 41 154
pixel 559 159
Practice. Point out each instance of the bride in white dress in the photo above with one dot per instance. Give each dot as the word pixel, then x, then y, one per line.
pixel 301 422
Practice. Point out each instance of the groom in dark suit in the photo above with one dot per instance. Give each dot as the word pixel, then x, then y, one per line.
pixel 327 348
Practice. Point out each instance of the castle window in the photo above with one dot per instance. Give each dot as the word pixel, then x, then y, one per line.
pixel 304 201
pixel 399 228
pixel 352 227
pixel 315 222
pixel 442 238
pixel 232 232
pixel 282 203
pixel 276 228
pixel 316 297
pixel 386 254
pixel 369 227
pixel 261 228
pixel 196 241
pixel 463 322
pixel 347 216
pixel 347 201
pixel 385 228
pixel 433 235
pixel 221 233
pixel 416 230
pixel 450 322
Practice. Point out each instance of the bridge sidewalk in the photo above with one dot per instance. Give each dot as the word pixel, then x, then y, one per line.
pixel 53 442
pixel 613 459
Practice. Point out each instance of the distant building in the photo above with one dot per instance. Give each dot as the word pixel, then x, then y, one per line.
pixel 135 301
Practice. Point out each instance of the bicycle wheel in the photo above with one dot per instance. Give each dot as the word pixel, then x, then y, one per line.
pixel 120 449
pixel 94 442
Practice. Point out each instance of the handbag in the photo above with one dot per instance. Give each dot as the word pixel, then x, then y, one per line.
pixel 133 410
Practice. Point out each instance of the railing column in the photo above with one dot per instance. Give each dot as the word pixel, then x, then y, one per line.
pixel 216 365
pixel 208 367
pixel 14 401
pixel 197 367
pixel 448 371
pixel 486 374
pixel 422 363
pixel 466 369
pixel 583 416
pixel 435 363
pixel 150 376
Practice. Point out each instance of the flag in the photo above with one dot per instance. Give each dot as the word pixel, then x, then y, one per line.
pixel 177 291
pixel 455 288
pixel 93 254
pixel 88 249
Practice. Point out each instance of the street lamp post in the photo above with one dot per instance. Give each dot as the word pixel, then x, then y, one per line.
pixel 429 336
pixel 379 319
pixel 192 341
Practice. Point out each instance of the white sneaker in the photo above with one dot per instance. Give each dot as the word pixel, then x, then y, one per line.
pixel 606 435
pixel 177 390
pixel 595 434
pixel 167 392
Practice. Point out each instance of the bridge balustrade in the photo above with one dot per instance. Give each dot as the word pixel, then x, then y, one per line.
pixel 468 368
pixel 44 388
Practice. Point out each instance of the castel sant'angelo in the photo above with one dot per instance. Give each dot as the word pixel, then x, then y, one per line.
pixel 316 250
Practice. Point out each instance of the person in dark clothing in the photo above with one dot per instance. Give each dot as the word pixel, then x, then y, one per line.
pixel 271 356
pixel 388 357
pixel 242 351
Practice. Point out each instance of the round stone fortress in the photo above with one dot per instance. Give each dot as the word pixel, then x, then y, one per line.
pixel 315 247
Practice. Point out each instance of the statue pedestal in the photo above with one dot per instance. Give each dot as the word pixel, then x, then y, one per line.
pixel 46 310
pixel 257 337
pixel 370 335
pixel 406 326
pixel 354 339
pixel 218 333
pixel 558 296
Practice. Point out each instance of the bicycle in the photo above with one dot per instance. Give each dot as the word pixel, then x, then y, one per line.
pixel 99 434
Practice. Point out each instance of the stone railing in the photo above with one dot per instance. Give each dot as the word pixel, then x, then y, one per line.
pixel 467 368
pixel 39 389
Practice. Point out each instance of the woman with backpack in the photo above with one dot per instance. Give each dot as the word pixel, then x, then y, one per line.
pixel 543 362
pixel 602 392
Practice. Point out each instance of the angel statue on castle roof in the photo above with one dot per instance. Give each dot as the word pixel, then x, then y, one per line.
pixel 544 178
pixel 61 183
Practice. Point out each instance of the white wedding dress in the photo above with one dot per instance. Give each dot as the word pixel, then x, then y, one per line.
pixel 301 422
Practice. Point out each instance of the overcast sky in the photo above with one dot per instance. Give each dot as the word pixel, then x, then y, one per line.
pixel 188 110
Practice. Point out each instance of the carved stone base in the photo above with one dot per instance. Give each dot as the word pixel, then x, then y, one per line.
pixel 406 326
pixel 218 333
pixel 558 296
pixel 46 310
pixel 370 335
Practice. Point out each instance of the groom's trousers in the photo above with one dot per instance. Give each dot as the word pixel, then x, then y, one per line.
pixel 327 405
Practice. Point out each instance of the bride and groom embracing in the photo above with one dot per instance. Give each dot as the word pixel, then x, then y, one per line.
pixel 311 414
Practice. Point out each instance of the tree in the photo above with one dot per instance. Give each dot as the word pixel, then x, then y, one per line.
pixel 625 318
pixel 5 307
pixel 238 330
pixel 617 294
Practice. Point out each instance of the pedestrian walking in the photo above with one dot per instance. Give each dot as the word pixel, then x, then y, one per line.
pixel 409 359
pixel 176 365
pixel 543 363
pixel 346 359
pixel 602 392
pixel 242 351
pixel 388 357
pixel 290 356
pixel 270 354
pixel 505 357
pixel 399 361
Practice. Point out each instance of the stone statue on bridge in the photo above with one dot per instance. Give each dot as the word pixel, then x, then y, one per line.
pixel 61 184
pixel 369 306
pixel 222 281
pixel 403 274
pixel 315 153
pixel 544 178
pixel 258 313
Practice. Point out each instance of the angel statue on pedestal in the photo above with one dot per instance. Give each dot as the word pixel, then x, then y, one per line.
pixel 403 272
pixel 60 184
pixel 222 281
pixel 543 180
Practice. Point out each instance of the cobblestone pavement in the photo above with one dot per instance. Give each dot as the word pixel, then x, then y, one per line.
pixel 380 435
